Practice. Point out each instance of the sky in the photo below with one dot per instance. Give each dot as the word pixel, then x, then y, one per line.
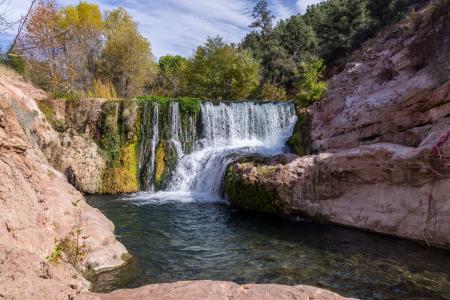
pixel 179 26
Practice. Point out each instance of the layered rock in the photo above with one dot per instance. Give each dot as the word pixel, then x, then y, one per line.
pixel 217 290
pixel 381 135
pixel 118 146
pixel 384 188
pixel 39 207
pixel 393 90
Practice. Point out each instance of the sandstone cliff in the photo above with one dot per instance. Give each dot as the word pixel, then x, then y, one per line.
pixel 382 137
pixel 38 206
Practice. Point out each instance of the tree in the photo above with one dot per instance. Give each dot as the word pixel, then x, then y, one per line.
pixel 83 29
pixel 297 37
pixel 171 79
pixel 42 46
pixel 311 88
pixel 127 58
pixel 271 92
pixel 263 18
pixel 221 71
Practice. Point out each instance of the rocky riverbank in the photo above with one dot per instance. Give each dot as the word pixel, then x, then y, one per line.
pixel 40 210
pixel 380 140
pixel 50 239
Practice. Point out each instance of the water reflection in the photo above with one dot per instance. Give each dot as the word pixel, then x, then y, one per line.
pixel 174 241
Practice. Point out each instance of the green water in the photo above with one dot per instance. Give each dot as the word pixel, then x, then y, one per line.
pixel 174 240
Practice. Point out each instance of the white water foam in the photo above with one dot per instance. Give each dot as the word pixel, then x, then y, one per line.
pixel 229 130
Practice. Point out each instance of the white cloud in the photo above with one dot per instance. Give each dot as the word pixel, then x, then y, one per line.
pixel 302 5
pixel 179 26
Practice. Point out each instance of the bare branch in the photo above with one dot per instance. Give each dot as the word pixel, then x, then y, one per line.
pixel 23 22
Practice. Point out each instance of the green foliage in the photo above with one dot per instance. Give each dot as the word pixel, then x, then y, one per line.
pixel 190 105
pixel 14 61
pixel 119 145
pixel 263 18
pixel 311 88
pixel 171 80
pixel 329 29
pixel 75 48
pixel 270 92
pixel 72 248
pixel 65 94
pixel 161 100
pixel 221 71
pixel 126 58
pixel 110 146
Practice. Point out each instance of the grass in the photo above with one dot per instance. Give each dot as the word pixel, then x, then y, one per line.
pixel 7 71
pixel 102 89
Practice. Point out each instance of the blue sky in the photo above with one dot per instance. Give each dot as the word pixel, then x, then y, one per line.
pixel 179 26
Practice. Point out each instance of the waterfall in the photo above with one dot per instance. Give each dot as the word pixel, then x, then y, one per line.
pixel 176 128
pixel 234 128
pixel 206 143
pixel 155 141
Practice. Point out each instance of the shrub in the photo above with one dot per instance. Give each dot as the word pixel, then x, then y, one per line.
pixel 103 89
pixel 311 88
pixel 271 92
pixel 72 248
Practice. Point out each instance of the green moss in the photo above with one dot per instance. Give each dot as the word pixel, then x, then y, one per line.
pixel 120 152
pixel 160 164
pixel 300 141
pixel 160 99
pixel 248 195
pixel 122 175
pixel 190 105
pixel 165 163
pixel 66 95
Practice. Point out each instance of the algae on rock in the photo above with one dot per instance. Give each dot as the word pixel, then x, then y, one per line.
pixel 300 141
pixel 246 193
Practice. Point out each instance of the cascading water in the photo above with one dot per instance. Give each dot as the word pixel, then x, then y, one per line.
pixel 155 140
pixel 176 128
pixel 228 130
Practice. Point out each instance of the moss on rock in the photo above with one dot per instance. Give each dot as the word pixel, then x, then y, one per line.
pixel 249 194
pixel 122 177
pixel 190 105
pixel 300 141
pixel 165 163
pixel 120 150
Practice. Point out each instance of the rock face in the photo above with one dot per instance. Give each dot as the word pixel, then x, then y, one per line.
pixel 217 290
pixel 38 206
pixel 382 137
pixel 394 89
pixel 119 146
